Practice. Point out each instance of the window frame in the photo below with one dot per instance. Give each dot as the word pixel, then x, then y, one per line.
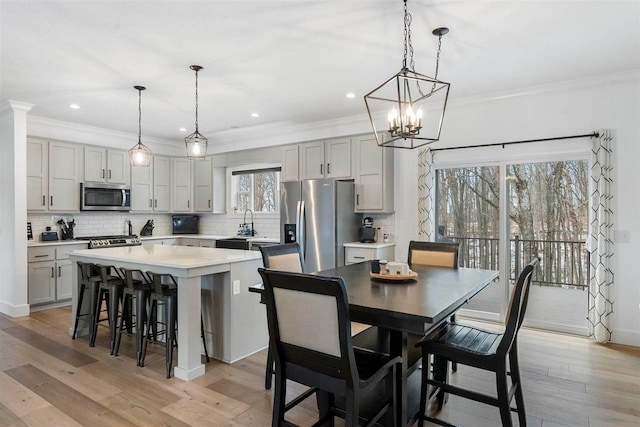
pixel 232 192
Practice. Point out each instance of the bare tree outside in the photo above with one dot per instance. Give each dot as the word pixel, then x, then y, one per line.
pixel 258 191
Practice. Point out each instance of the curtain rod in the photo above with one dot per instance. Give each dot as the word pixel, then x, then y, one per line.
pixel 498 144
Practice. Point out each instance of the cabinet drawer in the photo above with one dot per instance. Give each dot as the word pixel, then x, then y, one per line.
pixel 62 252
pixel 41 254
pixel 359 254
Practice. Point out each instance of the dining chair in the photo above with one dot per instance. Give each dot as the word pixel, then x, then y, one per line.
pixel 310 335
pixel 435 254
pixel 483 350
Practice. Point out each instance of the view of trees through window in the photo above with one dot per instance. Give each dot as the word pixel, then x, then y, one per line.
pixel 547 207
pixel 258 191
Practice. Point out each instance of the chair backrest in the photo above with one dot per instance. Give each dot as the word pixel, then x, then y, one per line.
pixel 86 271
pixel 517 305
pixel 308 320
pixel 434 254
pixel 286 257
pixel 127 274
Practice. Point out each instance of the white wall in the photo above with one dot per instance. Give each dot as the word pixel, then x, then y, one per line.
pixel 563 109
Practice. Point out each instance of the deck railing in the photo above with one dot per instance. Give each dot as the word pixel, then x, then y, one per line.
pixel 563 263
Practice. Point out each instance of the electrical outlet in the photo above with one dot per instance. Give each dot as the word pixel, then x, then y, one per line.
pixel 236 287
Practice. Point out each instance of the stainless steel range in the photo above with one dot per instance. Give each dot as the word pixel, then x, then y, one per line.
pixel 111 241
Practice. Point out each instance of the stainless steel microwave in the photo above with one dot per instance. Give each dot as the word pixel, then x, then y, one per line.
pixel 104 197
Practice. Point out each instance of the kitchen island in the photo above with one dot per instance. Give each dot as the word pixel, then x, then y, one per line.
pixel 235 325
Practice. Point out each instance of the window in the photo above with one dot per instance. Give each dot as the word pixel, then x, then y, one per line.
pixel 256 188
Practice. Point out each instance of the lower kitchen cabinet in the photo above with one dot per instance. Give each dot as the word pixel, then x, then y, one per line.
pixel 360 252
pixel 50 273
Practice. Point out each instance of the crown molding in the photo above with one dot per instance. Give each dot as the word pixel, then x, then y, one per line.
pixel 43 127
pixel 10 104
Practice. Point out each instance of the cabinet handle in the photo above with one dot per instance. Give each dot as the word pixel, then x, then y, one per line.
pixel 156 203
pixel 44 199
pixel 188 204
pixel 52 273
pixel 328 168
pixel 102 173
pixel 321 169
pixel 358 257
pixel 109 173
pixel 41 256
pixel 51 201
pixel 209 204
pixel 59 271
pixel 357 199
pixel 150 203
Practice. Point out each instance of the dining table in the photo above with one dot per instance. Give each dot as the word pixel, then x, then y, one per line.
pixel 403 311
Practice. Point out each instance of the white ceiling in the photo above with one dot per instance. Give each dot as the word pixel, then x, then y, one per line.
pixel 291 61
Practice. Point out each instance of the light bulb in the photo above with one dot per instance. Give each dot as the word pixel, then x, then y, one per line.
pixel 195 148
pixel 139 158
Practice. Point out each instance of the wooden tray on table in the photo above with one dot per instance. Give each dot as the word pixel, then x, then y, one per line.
pixel 395 277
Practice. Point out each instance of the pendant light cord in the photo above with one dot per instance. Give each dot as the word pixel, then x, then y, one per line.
pixel 139 116
pixel 196 101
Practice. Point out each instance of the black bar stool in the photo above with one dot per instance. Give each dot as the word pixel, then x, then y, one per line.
pixel 88 279
pixel 140 291
pixel 110 286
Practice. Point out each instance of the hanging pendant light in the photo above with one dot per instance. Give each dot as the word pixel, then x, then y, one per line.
pixel 414 103
pixel 140 154
pixel 196 143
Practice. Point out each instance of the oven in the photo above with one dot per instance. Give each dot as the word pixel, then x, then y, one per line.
pixel 104 197
pixel 96 242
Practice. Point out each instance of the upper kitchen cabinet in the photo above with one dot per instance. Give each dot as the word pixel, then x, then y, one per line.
pixel 290 164
pixel 161 183
pixel 37 175
pixel 373 176
pixel 326 159
pixel 103 165
pixel 64 176
pixel 209 187
pixel 181 185
pixel 142 188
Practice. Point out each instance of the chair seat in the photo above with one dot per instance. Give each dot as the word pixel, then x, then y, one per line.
pixel 369 363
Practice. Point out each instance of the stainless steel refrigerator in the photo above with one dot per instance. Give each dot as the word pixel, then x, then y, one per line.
pixel 318 214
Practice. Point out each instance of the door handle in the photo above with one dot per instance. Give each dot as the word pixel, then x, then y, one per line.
pixel 150 203
pixel 328 168
pixel 109 173
pixel 188 204
pixel 52 273
pixel 41 256
pixel 303 233
pixel 156 203
pixel 44 199
pixel 358 199
pixel 59 271
pixel 103 173
pixel 358 257
pixel 209 204
pixel 51 201
pixel 321 168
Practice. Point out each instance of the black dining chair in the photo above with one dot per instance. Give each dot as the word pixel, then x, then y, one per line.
pixel 285 257
pixel 435 254
pixel 483 350
pixel 310 335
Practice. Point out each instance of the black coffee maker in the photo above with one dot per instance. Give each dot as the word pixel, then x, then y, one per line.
pixel 367 233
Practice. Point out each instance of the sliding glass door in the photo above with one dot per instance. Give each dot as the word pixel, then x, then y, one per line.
pixel 503 215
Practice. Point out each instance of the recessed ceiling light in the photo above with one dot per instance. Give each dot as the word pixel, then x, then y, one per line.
pixel 255 115
pixel 74 106
pixel 351 95
pixel 183 129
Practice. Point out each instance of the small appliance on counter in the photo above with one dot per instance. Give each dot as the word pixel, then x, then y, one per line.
pixel 367 233
pixel 147 229
pixel 49 236
pixel 185 224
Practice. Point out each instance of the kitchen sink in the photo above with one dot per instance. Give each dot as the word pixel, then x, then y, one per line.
pixel 233 243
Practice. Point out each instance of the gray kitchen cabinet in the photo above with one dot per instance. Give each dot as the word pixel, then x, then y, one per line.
pixel 64 176
pixel 326 159
pixel 209 186
pixel 37 175
pixel 161 183
pixel 42 282
pixel 373 176
pixel 290 164
pixel 50 273
pixel 181 191
pixel 142 188
pixel 104 165
pixel 357 254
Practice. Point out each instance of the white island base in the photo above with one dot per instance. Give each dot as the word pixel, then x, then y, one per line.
pixel 215 281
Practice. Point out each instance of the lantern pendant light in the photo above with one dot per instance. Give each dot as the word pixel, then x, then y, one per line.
pixel 413 104
pixel 140 154
pixel 196 143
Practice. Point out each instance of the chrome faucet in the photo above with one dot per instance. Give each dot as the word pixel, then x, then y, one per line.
pixel 251 231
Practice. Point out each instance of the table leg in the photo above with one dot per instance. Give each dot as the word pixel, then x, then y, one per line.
pixel 398 347
pixel 189 338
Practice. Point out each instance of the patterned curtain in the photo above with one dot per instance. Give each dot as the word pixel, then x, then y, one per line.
pixel 426 187
pixel 600 243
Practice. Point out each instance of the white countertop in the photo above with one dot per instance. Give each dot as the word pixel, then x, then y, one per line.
pixel 181 257
pixel 368 245
pixel 36 243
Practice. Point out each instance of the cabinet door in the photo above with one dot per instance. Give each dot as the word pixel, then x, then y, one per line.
pixel 42 282
pixel 181 185
pixel 290 164
pixel 95 164
pixel 369 178
pixel 64 279
pixel 312 158
pixel 64 177
pixel 203 197
pixel 338 158
pixel 117 166
pixel 160 184
pixel 37 180
pixel 141 188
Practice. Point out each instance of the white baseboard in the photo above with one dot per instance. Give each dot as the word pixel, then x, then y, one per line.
pixel 626 337
pixel 14 310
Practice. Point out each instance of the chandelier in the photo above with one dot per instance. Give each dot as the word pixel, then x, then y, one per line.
pixel 414 103
pixel 196 142
pixel 140 154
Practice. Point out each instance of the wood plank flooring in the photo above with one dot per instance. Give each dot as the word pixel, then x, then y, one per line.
pixel 47 379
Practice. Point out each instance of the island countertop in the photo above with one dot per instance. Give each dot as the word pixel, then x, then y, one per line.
pixel 181 257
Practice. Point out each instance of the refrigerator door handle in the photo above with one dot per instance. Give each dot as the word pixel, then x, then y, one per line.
pixel 301 227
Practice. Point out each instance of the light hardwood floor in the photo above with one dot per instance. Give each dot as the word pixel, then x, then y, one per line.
pixel 47 379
